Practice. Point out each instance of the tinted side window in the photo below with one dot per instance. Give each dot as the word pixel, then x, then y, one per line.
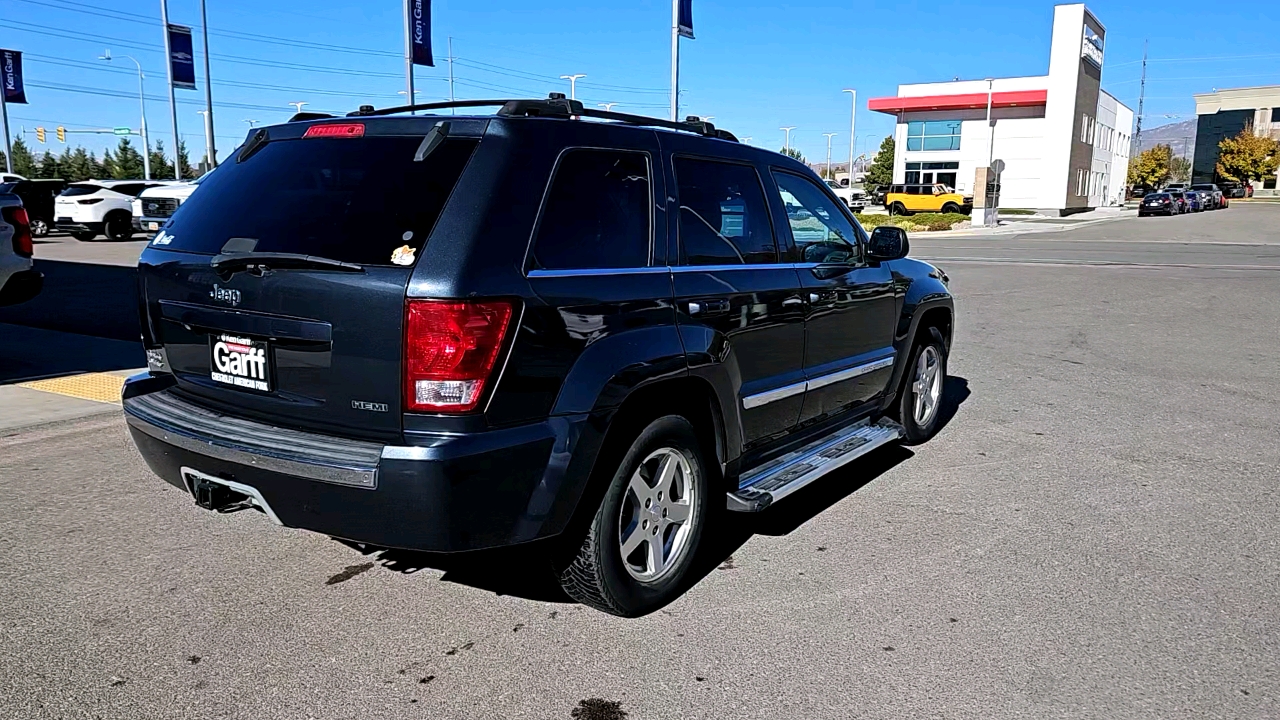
pixel 723 216
pixel 820 230
pixel 597 213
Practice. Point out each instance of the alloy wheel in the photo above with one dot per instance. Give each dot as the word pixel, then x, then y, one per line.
pixel 658 514
pixel 926 386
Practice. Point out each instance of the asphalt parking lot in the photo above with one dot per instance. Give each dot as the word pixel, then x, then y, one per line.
pixel 1092 535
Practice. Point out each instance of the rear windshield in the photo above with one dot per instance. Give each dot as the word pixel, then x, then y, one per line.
pixel 354 200
pixel 1158 196
pixel 1202 187
pixel 78 189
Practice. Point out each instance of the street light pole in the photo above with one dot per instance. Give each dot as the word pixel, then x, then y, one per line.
pixel 787 130
pixel 208 133
pixel 173 103
pixel 608 107
pixel 573 84
pixel 991 129
pixel 251 122
pixel 299 105
pixel 829 136
pixel 142 102
pixel 212 150
pixel 853 135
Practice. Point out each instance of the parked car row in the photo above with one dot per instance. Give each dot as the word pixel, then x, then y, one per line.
pixel 1179 199
pixel 112 208
pixel 19 280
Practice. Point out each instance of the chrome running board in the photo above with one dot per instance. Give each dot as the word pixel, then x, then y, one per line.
pixel 778 478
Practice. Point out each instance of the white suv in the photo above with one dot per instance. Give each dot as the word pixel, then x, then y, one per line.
pixel 19 281
pixel 98 207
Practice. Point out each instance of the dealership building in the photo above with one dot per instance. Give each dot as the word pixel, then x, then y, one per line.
pixel 1060 144
pixel 1226 113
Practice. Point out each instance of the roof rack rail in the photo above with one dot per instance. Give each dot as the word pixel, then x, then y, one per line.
pixel 556 105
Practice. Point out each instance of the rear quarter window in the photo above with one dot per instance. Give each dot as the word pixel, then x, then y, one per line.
pixel 597 213
pixel 80 189
pixel 353 200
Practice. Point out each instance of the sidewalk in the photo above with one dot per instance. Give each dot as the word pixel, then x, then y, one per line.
pixel 1024 224
pixel 49 376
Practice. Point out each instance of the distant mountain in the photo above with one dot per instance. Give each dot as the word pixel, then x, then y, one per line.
pixel 1181 136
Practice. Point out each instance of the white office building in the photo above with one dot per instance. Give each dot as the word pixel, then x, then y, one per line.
pixel 1061 144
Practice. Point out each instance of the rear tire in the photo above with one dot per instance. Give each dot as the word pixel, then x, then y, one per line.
pixel 39 228
pixel 898 209
pixel 645 535
pixel 118 227
pixel 84 236
pixel 920 400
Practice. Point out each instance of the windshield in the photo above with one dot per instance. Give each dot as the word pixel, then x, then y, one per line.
pixel 354 200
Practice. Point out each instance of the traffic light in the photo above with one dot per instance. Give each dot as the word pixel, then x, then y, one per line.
pixel 40 134
pixel 62 134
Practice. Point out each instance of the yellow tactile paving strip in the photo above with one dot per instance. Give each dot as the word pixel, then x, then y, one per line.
pixel 99 387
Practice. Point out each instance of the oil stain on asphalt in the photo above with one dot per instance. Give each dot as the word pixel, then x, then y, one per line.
pixel 599 709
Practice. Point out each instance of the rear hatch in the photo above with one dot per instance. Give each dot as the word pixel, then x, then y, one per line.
pixel 277 292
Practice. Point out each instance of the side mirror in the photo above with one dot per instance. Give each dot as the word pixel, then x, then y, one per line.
pixel 888 242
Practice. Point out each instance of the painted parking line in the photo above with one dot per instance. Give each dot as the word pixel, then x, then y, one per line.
pixel 99 387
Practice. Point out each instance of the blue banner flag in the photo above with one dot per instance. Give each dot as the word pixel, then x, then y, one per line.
pixel 420 32
pixel 686 19
pixel 182 58
pixel 11 77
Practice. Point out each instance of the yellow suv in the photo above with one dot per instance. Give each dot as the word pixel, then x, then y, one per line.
pixel 911 199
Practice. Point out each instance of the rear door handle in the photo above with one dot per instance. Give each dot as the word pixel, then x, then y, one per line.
pixel 708 307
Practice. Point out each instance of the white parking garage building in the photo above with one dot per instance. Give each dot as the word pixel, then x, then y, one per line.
pixel 1062 141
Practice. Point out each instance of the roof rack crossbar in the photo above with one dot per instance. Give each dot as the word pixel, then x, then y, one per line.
pixel 557 105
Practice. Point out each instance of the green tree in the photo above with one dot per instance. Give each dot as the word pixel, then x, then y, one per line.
pixel 793 153
pixel 161 168
pixel 1241 158
pixel 127 162
pixel 23 163
pixel 1179 169
pixel 1151 167
pixel 77 165
pixel 881 170
pixel 184 162
pixel 49 166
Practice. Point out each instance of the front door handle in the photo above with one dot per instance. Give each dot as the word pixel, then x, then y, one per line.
pixel 708 307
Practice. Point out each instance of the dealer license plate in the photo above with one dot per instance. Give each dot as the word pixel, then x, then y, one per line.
pixel 240 361
pixel 153 226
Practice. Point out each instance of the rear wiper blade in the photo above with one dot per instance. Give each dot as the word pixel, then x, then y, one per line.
pixel 279 260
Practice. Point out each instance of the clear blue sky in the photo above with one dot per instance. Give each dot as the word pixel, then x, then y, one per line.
pixel 755 66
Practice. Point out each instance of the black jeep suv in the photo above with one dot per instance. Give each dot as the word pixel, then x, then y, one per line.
pixel 448 333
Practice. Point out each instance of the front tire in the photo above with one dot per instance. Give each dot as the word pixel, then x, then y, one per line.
pixel 920 400
pixel 951 208
pixel 84 236
pixel 645 535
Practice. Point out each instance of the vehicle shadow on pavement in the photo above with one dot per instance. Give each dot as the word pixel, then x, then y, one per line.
pixel 82 298
pixel 525 572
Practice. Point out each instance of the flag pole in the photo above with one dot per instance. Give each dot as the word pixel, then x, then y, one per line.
pixel 8 148
pixel 675 60
pixel 408 53
pixel 173 106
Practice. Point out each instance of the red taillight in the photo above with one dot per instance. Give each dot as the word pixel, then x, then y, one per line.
pixel 335 130
pixel 17 217
pixel 450 349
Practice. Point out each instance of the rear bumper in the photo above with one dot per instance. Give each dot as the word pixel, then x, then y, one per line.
pixel 442 494
pixel 21 287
